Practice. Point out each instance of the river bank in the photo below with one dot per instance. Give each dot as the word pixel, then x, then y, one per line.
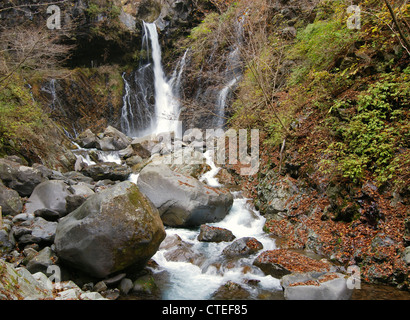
pixel 213 260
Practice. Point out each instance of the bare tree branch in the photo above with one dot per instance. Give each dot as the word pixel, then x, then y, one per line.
pixel 32 5
pixel 402 36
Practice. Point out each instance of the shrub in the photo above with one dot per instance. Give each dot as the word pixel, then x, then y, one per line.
pixel 19 114
pixel 318 45
pixel 373 137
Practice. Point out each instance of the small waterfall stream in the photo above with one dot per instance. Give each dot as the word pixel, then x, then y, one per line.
pixel 50 88
pixel 233 74
pixel 188 281
pixel 100 156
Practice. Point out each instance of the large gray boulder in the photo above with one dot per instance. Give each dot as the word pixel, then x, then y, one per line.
pixel 107 170
pixel 183 201
pixel 10 201
pixel 113 230
pixel 113 140
pixel 50 195
pixel 316 286
pixel 18 284
pixel 87 139
pixel 21 178
pixel 36 230
pixel 243 247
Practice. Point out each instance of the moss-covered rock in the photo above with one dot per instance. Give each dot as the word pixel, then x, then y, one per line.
pixel 20 284
pixel 113 230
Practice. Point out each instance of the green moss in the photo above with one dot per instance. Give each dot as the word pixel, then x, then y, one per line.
pixel 20 116
pixel 375 131
pixel 137 198
pixel 318 45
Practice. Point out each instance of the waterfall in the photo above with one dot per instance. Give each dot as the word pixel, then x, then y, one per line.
pixel 209 177
pixel 176 80
pixel 233 74
pixel 198 281
pixel 166 105
pixel 127 115
pixel 150 102
pixel 138 107
pixel 50 88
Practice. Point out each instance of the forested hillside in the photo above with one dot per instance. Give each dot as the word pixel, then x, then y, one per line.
pixel 326 83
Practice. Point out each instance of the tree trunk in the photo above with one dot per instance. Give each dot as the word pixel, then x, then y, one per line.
pixel 402 36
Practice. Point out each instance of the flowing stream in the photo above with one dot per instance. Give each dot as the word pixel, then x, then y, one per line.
pixel 146 112
pixel 188 281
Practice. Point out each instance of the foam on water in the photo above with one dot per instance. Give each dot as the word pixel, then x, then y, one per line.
pixel 192 282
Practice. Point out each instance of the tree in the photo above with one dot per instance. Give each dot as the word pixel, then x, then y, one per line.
pixel 32 47
pixel 399 28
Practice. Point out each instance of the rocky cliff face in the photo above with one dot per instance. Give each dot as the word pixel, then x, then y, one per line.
pixel 86 91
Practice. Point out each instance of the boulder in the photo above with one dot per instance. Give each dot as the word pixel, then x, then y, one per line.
pixel 21 178
pixel 78 177
pixel 87 139
pixel 277 195
pixel 180 251
pixel 134 160
pixel 47 214
pixel 281 262
pixel 231 291
pixel 243 247
pixel 49 195
pixel 6 242
pixel 316 286
pixel 46 172
pixel 42 261
pixel 143 146
pixel 18 284
pixel 43 230
pixel 113 140
pixel 106 144
pixel 146 286
pixel 74 201
pixel 126 285
pixel 10 201
pixel 113 230
pixel 126 153
pixel 107 170
pixel 37 230
pixel 186 161
pixel 80 194
pixel 214 234
pixel 183 200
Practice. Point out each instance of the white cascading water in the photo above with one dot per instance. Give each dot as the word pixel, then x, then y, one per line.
pixel 126 112
pixel 209 177
pixel 50 88
pixel 140 116
pixel 232 74
pixel 192 282
pixel 176 80
pixel 166 105
pixel 103 156
pixel 221 102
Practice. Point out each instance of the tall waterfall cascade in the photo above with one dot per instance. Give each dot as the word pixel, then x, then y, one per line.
pixel 151 101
